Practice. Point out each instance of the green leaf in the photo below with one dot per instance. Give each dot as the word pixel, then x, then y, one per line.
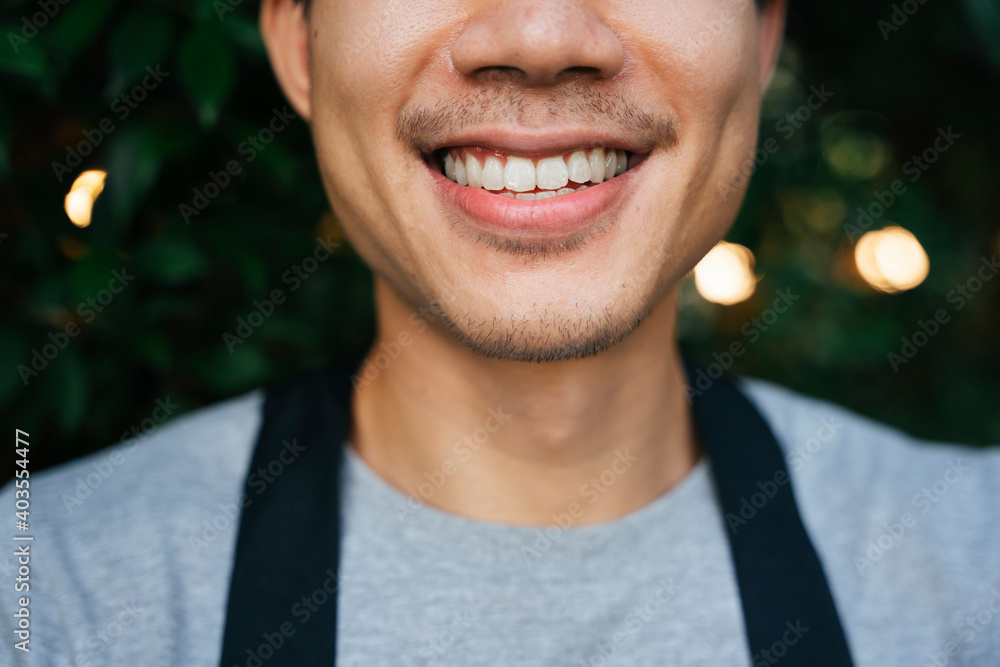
pixel 67 388
pixel 244 33
pixel 227 372
pixel 206 71
pixel 22 55
pixel 134 159
pixel 281 162
pixel 91 274
pixel 76 24
pixel 140 40
pixel 168 306
pixel 290 330
pixel 984 20
pixel 170 261
pixel 154 348
pixel 174 139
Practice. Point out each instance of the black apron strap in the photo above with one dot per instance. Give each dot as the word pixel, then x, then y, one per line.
pixel 283 593
pixel 787 605
pixel 282 608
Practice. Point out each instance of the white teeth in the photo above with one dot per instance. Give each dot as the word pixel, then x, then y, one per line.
pixel 519 174
pixel 552 173
pixel 449 167
pixel 596 165
pixel 473 171
pixel 578 167
pixel 493 174
pixel 610 164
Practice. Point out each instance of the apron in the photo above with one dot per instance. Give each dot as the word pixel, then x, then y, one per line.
pixel 289 534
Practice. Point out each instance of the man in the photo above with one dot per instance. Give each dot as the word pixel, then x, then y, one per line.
pixel 522 472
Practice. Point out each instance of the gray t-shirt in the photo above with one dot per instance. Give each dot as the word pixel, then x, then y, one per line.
pixel 133 547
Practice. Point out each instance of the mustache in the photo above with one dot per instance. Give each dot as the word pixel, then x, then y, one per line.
pixel 577 103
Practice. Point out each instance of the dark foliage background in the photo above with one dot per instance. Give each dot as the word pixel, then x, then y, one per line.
pixel 162 336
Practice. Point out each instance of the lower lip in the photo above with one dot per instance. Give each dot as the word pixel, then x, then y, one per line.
pixel 562 215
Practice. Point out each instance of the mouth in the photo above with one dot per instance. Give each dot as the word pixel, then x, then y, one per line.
pixel 543 196
pixel 532 179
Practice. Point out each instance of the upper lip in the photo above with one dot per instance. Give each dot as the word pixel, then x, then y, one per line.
pixel 538 142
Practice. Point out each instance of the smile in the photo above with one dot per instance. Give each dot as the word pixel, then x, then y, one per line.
pixel 550 190
pixel 531 179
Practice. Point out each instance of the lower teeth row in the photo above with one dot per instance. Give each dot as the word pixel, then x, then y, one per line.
pixel 534 196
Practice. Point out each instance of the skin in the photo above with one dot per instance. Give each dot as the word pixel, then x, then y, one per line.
pixel 573 337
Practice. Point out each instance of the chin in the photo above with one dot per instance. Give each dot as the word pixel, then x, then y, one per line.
pixel 544 332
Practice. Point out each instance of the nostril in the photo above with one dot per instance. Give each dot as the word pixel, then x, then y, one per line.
pixel 499 74
pixel 536 40
pixel 580 71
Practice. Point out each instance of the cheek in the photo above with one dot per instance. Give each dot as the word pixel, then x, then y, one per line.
pixel 720 108
pixel 371 53
pixel 367 59
pixel 701 54
pixel 703 66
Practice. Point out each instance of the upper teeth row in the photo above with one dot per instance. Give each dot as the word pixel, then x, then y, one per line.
pixel 523 175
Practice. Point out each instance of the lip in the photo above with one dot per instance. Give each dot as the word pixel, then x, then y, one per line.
pixel 550 219
pixel 537 143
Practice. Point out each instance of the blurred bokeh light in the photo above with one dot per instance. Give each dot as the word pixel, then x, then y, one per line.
pixel 725 275
pixel 82 195
pixel 891 259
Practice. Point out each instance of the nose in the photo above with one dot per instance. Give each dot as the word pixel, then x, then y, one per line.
pixel 542 40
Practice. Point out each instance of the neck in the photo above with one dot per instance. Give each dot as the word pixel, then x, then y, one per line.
pixel 520 442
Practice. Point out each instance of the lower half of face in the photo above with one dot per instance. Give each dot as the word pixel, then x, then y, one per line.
pixel 447 193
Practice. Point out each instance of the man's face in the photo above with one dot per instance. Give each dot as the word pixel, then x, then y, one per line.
pixel 530 90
